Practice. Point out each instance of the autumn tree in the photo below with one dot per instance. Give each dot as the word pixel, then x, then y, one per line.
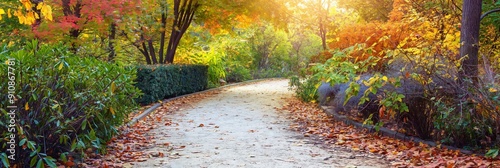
pixel 268 43
pixel 305 43
pixel 171 19
pixel 318 15
pixel 97 17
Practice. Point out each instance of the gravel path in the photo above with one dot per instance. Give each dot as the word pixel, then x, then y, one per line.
pixel 241 128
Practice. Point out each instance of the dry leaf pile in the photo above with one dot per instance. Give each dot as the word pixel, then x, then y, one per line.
pixel 130 145
pixel 312 121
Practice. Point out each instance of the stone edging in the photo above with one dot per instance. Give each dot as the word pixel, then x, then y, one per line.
pixel 155 106
pixel 387 132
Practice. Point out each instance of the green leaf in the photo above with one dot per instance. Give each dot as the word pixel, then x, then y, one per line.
pixel 31 145
pixel 50 161
pixel 63 157
pixel 73 145
pixel 5 160
pixel 33 162
pixel 40 164
pixel 21 143
pixel 33 153
pixel 34 96
pixel 84 124
pixel 492 153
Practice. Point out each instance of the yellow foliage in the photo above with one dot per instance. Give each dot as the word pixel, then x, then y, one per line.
pixel 27 4
pixel 46 11
pixel 27 14
pixel 1 13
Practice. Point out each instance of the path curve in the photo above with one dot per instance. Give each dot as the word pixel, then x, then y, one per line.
pixel 240 127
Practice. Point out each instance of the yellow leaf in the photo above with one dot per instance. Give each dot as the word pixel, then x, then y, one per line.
pixel 47 12
pixel 30 18
pixel 26 106
pixel 8 13
pixel 1 13
pixel 113 87
pixel 112 110
pixel 493 90
pixel 60 66
pixel 39 6
pixel 384 78
pixel 27 4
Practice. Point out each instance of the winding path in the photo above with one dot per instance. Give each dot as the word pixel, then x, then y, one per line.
pixel 240 127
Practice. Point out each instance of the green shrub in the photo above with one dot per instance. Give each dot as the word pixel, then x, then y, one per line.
pixel 165 81
pixel 238 74
pixel 335 70
pixel 65 103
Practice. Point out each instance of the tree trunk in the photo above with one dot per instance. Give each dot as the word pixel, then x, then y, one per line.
pixel 469 38
pixel 183 16
pixel 152 51
pixel 323 18
pixel 172 46
pixel 145 51
pixel 162 34
pixel 111 41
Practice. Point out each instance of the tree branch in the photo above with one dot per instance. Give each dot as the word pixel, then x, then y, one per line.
pixel 489 12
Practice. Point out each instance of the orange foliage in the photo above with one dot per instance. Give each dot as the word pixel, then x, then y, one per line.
pixel 321 57
pixel 406 29
pixel 372 34
pixel 380 36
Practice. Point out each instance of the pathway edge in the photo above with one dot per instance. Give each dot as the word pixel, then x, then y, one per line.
pixel 155 106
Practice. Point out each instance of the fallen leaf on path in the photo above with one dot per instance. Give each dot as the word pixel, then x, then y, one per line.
pixel 311 121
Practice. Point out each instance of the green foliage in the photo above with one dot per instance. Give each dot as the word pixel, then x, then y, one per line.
pixel 492 153
pixel 165 81
pixel 238 74
pixel 65 103
pixel 464 130
pixel 214 62
pixel 338 69
pixel 270 48
pixel 444 110
pixel 305 89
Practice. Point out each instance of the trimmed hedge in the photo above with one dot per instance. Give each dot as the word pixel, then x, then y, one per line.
pixel 166 81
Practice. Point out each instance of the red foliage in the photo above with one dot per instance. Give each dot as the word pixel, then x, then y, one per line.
pixel 93 14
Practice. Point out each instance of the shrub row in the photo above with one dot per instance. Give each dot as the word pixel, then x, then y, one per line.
pixel 166 81
pixel 421 94
pixel 63 103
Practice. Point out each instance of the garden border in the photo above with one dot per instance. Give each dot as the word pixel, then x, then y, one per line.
pixel 387 132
